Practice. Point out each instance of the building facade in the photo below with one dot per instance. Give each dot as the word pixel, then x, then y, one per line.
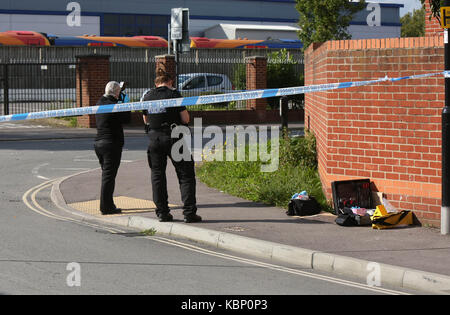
pixel 140 17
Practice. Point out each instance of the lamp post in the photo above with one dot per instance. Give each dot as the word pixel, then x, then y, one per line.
pixel 445 209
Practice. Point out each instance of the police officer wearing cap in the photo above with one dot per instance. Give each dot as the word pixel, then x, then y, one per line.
pixel 159 127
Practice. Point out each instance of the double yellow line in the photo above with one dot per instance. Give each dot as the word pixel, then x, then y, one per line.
pixel 29 198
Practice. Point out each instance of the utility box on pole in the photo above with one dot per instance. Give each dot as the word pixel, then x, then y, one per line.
pixel 179 35
pixel 176 23
pixel 179 31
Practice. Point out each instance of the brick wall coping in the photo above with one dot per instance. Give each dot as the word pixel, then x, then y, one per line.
pixel 383 43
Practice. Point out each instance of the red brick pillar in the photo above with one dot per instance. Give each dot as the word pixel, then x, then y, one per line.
pixel 256 80
pixel 166 62
pixel 92 77
pixel 432 27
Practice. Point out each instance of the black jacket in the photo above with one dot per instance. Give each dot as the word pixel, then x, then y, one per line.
pixel 109 126
pixel 171 115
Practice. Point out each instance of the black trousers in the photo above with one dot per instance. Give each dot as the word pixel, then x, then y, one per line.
pixel 109 155
pixel 159 150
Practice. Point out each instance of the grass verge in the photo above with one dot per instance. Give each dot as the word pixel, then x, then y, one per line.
pixel 297 171
pixel 64 122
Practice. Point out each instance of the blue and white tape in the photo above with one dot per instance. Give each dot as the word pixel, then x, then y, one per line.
pixel 159 106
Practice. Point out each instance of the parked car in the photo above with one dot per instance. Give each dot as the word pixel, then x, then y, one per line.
pixel 198 83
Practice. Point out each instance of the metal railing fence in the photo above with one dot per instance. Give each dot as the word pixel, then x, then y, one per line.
pixel 44 78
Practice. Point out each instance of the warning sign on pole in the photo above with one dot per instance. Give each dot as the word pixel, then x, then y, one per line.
pixel 445 17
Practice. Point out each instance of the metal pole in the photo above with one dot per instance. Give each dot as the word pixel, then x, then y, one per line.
pixel 169 39
pixel 5 90
pixel 177 58
pixel 80 80
pixel 284 108
pixel 445 210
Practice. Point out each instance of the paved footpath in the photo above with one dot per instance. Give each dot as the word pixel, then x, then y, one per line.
pixel 412 257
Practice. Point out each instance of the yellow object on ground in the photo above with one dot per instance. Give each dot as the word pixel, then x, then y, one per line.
pixel 380 211
pixel 391 220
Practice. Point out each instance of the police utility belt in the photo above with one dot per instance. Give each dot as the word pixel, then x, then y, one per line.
pixel 160 122
pixel 163 126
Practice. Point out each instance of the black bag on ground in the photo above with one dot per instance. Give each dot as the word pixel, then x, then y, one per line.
pixel 303 207
pixel 348 218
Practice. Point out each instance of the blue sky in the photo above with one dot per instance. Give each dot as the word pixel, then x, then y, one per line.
pixel 410 5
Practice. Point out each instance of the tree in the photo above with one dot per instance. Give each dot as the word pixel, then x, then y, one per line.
pixel 282 72
pixel 323 20
pixel 435 6
pixel 413 24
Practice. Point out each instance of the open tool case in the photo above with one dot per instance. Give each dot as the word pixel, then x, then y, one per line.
pixel 351 193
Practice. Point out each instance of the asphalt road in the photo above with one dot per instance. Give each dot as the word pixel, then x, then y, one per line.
pixel 44 252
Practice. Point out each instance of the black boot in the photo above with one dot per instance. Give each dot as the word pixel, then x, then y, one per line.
pixel 113 211
pixel 192 218
pixel 165 217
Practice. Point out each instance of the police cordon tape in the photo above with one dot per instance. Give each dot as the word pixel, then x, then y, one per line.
pixel 159 106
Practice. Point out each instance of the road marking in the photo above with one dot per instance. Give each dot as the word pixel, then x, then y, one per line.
pixel 70 169
pixel 34 206
pixel 35 171
pixel 93 158
pixel 86 160
pixel 20 126
pixel 277 267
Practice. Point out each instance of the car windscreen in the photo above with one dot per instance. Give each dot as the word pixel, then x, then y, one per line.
pixel 214 80
pixel 182 78
pixel 195 83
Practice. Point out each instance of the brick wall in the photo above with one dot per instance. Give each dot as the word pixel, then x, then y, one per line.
pixel 389 132
pixel 242 117
pixel 432 26
pixel 234 117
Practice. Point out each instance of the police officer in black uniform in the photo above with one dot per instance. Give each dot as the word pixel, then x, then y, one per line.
pixel 108 146
pixel 159 128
